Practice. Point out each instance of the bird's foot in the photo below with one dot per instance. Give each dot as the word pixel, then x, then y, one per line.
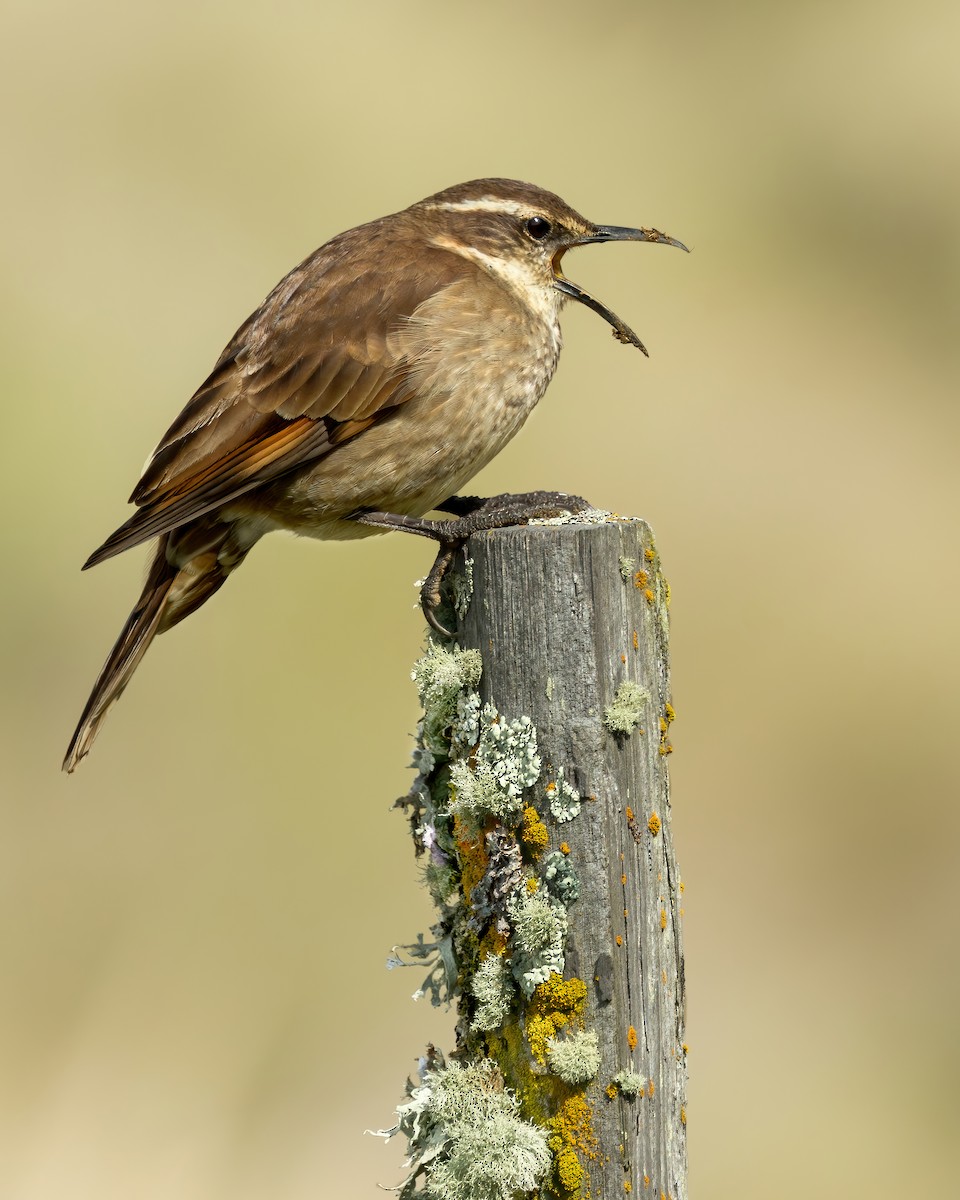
pixel 473 515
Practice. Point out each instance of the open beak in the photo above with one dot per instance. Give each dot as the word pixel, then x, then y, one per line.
pixel 608 233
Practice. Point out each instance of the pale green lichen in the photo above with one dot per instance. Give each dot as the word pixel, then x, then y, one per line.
pixel 564 800
pixel 466 1139
pixel 560 878
pixel 630 1083
pixel 442 676
pixel 465 730
pixel 626 567
pixel 575 1058
pixel 493 990
pixel 505 762
pixel 539 926
pixel 624 713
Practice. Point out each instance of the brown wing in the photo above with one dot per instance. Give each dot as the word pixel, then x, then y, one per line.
pixel 302 375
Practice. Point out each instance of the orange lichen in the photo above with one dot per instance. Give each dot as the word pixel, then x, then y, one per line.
pixel 648 595
pixel 623 658
pixel 646 1181
pixel 654 824
pixel 663 918
pixel 649 554
pixel 683 1115
pixel 632 1038
pixel 619 940
pixel 623 880
pixel 564 848
pixel 629 813
pixel 640 579
pixel 636 640
pixel 473 857
pixel 651 1088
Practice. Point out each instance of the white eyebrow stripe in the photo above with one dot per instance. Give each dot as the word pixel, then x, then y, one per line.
pixel 485 204
pixel 537 295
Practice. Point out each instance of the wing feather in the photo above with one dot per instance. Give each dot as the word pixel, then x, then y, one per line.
pixel 308 371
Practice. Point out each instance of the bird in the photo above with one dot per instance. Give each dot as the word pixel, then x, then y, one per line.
pixel 370 385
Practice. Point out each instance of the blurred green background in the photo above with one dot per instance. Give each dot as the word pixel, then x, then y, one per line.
pixel 194 927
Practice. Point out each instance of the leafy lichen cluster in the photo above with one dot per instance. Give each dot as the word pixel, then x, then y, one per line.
pixel 499 948
pixel 624 713
pixel 466 1139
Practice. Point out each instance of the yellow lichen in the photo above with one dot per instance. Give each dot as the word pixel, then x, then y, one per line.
pixel 623 880
pixel 532 885
pixel 556 1003
pixel 649 554
pixel 573 1125
pixel 640 580
pixel 612 1090
pixel 648 595
pixel 636 640
pixel 627 1185
pixel 669 712
pixel 564 848
pixel 569 1171
pixel 663 918
pixel 533 833
pixel 654 824
pixel 683 1115
pixel 632 1038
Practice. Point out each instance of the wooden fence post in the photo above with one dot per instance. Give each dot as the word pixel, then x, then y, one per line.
pixel 542 808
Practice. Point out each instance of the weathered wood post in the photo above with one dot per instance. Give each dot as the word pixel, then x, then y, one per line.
pixel 543 808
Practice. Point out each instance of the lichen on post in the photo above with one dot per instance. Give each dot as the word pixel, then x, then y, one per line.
pixel 541 812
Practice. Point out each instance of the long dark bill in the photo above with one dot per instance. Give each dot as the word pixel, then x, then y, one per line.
pixel 611 233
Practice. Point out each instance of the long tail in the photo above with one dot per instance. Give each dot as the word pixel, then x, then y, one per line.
pixel 173 590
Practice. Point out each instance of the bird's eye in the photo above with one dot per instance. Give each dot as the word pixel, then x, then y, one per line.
pixel 538 228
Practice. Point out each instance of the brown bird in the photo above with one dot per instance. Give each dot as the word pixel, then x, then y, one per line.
pixel 375 379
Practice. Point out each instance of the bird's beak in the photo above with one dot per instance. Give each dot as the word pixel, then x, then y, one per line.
pixel 608 233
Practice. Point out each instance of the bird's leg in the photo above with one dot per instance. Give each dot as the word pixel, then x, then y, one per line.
pixel 473 515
